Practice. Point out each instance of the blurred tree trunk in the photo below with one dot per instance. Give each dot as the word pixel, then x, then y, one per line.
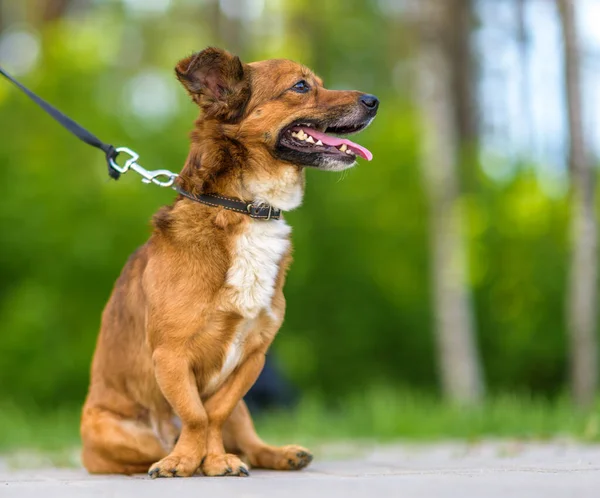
pixel 582 290
pixel 36 12
pixel 229 31
pixel 458 33
pixel 460 366
pixel 54 9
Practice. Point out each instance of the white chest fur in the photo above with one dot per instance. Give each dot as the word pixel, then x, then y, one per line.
pixel 255 265
pixel 233 356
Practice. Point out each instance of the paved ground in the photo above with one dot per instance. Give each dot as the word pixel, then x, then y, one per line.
pixel 556 470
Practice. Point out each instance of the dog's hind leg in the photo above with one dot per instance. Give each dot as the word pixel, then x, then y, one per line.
pixel 239 436
pixel 116 445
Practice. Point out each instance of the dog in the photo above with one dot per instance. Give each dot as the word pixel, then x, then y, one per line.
pixel 185 332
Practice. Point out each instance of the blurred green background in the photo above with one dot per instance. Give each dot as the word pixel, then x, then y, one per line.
pixel 360 311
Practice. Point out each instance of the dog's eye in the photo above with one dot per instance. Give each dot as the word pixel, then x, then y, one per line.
pixel 301 87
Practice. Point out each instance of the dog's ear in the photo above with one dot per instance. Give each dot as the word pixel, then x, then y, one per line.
pixel 217 81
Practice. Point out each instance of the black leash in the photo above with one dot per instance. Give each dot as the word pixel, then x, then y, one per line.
pixel 75 128
pixel 260 212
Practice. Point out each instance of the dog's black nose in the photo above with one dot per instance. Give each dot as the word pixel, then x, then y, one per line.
pixel 370 102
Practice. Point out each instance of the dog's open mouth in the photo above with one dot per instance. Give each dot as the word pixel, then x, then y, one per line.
pixel 307 137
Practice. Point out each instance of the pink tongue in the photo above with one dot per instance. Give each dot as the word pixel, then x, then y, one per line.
pixel 336 142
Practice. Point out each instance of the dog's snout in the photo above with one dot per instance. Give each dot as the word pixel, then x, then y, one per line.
pixel 370 102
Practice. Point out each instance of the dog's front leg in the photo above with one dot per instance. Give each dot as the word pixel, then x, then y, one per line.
pixel 219 407
pixel 178 384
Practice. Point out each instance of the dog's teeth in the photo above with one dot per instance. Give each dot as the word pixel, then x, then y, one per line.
pixel 310 140
pixel 349 152
pixel 294 134
pixel 302 135
pixel 319 142
pixel 343 147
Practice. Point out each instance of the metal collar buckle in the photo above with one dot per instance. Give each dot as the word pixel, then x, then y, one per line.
pixel 254 212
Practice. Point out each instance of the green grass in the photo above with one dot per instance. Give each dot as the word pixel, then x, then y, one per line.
pixel 27 428
pixel 384 414
pixel 379 414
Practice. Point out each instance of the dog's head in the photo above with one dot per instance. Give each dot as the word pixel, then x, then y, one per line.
pixel 275 112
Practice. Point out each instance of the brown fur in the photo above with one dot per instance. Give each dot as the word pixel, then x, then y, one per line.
pixel 171 317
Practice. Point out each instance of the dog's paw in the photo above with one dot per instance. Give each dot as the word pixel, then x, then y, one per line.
pixel 174 466
pixel 290 457
pixel 223 465
pixel 297 456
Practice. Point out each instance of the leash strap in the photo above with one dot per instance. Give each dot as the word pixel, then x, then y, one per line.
pixel 76 129
pixel 259 212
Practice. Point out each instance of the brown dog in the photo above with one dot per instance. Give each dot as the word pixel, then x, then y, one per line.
pixel 185 332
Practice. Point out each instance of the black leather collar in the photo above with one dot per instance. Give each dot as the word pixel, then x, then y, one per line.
pixel 259 212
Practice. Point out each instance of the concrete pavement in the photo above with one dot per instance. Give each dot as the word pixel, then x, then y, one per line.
pixel 490 469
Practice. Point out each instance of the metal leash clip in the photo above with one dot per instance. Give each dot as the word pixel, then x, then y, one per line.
pixel 148 176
